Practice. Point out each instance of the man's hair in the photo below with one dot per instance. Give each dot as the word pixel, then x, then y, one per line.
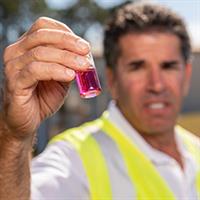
pixel 141 18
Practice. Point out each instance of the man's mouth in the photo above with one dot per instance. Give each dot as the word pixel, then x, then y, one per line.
pixel 156 106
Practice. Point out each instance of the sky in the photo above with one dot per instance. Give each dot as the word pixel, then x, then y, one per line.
pixel 188 9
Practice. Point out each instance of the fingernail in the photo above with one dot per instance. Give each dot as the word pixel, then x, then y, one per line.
pixel 81 44
pixel 81 61
pixel 70 72
pixel 91 61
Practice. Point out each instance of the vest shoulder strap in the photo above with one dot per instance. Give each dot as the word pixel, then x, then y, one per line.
pixel 91 156
pixel 147 181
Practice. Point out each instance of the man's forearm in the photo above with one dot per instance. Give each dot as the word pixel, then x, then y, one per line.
pixel 14 166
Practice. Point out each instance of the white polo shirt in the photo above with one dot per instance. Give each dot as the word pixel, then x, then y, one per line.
pixel 58 173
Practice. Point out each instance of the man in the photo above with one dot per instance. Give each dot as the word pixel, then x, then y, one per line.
pixel 134 150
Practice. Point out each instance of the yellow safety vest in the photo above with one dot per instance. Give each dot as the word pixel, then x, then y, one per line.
pixel 146 180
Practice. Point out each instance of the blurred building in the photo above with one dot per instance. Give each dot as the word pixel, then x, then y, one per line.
pixel 192 101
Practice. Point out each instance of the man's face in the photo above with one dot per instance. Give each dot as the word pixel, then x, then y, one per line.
pixel 150 81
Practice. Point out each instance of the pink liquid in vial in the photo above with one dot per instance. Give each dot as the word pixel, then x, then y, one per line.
pixel 88 83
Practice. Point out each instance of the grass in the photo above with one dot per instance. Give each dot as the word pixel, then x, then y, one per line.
pixel 191 122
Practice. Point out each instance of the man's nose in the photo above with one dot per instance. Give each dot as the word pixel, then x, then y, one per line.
pixel 155 81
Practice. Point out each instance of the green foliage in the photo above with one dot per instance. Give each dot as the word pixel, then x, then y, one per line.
pixel 38 6
pixel 81 15
pixel 9 7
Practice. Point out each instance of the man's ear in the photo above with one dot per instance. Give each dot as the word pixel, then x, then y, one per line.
pixel 188 74
pixel 111 83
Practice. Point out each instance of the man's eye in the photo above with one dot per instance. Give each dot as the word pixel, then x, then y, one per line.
pixel 134 66
pixel 170 66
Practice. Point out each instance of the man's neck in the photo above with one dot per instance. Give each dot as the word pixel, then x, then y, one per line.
pixel 165 143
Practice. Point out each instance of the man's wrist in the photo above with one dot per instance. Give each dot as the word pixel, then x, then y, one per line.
pixel 10 138
pixel 15 154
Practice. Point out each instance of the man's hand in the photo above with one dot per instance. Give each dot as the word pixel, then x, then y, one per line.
pixel 38 70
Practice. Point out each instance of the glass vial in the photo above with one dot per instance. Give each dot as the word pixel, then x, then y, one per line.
pixel 88 81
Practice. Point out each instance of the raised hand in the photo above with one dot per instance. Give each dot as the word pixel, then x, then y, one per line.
pixel 38 70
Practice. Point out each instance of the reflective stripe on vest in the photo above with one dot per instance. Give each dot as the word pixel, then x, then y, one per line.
pixel 146 181
pixel 118 174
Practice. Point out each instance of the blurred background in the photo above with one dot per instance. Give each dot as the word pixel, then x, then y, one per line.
pixel 86 18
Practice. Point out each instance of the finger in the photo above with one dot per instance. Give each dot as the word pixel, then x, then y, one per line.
pixel 57 38
pixel 41 71
pixel 46 23
pixel 49 54
pixel 41 23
